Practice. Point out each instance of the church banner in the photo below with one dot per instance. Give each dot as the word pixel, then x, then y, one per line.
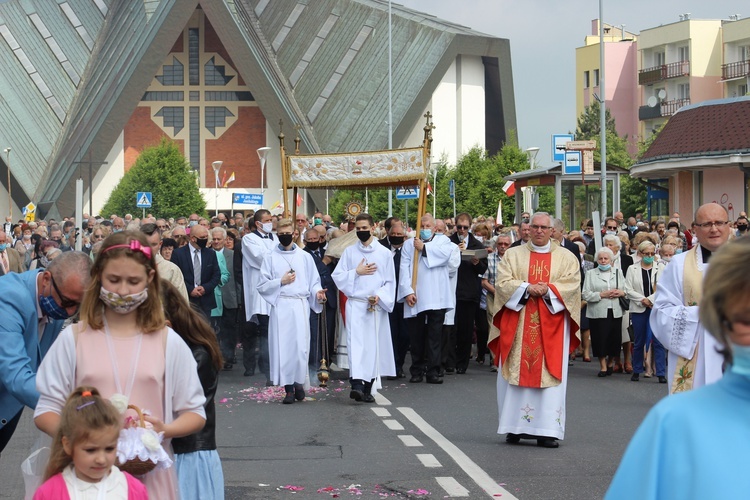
pixel 372 168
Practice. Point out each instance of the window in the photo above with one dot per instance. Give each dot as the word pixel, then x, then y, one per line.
pixel 742 89
pixel 683 53
pixel 586 81
pixel 660 59
pixel 744 53
pixel 596 78
pixel 683 91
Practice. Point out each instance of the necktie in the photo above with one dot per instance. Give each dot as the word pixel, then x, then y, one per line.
pixel 196 269
pixel 5 262
pixel 397 262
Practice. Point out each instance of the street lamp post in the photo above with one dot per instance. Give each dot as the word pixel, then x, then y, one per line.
pixel 262 154
pixel 10 198
pixel 530 192
pixel 217 167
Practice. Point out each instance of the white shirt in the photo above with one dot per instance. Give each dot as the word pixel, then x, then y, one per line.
pixel 112 487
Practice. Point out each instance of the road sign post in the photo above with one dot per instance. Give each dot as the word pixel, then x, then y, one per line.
pixel 144 200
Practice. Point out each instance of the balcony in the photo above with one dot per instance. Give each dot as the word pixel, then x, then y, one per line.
pixel 665 108
pixel 733 70
pixel 656 74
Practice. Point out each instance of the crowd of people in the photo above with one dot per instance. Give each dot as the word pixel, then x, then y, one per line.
pixel 150 311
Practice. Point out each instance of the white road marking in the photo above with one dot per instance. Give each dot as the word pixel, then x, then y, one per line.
pixel 381 412
pixel 381 400
pixel 428 460
pixel 452 487
pixel 475 472
pixel 409 440
pixel 393 425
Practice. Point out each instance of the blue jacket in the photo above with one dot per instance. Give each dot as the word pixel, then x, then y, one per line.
pixel 21 350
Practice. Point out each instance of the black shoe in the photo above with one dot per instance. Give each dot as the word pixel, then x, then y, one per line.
pixel 460 371
pixel 401 374
pixel 441 373
pixel 415 379
pixel 248 373
pixel 368 398
pixel 289 398
pixel 356 395
pixel 227 367
pixel 512 438
pixel 610 370
pixel 635 377
pixel 662 380
pixel 299 392
pixel 602 374
pixel 547 442
pixel 434 379
pixel 450 370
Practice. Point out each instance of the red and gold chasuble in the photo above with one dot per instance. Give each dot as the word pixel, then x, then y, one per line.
pixel 543 332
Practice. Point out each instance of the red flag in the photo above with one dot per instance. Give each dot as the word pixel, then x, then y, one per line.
pixel 223 179
pixel 299 200
pixel 509 188
pixel 429 188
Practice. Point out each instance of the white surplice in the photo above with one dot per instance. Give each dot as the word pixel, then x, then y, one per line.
pixel 678 328
pixel 289 318
pixel 436 263
pixel 368 332
pixel 254 250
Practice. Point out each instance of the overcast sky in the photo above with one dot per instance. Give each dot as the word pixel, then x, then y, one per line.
pixel 543 37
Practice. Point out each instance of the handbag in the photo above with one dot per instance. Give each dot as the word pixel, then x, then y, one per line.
pixel 624 301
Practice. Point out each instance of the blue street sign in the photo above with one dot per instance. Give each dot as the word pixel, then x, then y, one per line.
pixel 143 200
pixel 247 199
pixel 558 146
pixel 572 163
pixel 410 193
pixel 452 188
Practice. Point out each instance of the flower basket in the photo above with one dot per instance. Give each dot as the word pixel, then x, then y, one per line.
pixel 139 449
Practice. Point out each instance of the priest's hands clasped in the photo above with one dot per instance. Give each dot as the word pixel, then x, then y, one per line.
pixel 365 269
pixel 537 290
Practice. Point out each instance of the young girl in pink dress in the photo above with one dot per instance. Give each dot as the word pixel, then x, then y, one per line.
pixel 123 347
pixel 82 462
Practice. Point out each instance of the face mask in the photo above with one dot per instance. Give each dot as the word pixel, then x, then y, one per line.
pixel 87 245
pixel 115 230
pixel 611 233
pixel 192 223
pixel 51 308
pixel 267 227
pixel 648 260
pixel 44 261
pixel 396 240
pixel 123 304
pixel 363 235
pixel 3 247
pixel 26 237
pixel 633 228
pixel 317 222
pixel 425 234
pixel 312 245
pixel 679 250
pixel 201 242
pixel 741 359
pixel 666 259
pixel 605 267
pixel 285 239
pixel 742 227
pixel 479 238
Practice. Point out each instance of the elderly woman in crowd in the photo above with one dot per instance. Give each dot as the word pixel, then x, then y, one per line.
pixel 641 279
pixel 622 261
pixel 674 453
pixel 602 288
pixel 585 327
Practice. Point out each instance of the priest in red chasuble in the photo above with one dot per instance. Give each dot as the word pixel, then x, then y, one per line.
pixel 538 299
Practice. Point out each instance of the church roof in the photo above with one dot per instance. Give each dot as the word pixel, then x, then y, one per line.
pixel 74 71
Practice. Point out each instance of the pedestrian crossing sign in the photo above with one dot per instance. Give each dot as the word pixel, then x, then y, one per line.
pixel 143 200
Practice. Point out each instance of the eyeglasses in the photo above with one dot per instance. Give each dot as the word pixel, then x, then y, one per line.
pixel 502 244
pixel 161 227
pixel 536 227
pixel 613 228
pixel 458 226
pixel 709 225
pixel 98 236
pixel 647 254
pixel 65 302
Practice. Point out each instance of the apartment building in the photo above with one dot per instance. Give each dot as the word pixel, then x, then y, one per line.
pixel 735 72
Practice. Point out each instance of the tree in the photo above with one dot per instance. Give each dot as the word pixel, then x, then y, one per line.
pixel 164 171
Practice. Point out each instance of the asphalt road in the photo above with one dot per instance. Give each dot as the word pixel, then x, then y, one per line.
pixel 417 441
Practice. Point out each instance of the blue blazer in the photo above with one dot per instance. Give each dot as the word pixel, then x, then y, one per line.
pixel 21 350
pixel 210 275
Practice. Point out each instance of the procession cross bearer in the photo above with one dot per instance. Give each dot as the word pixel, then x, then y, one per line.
pixel 365 274
pixel 538 299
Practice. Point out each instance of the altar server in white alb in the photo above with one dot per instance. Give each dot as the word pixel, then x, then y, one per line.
pixel 694 358
pixel 290 283
pixel 365 274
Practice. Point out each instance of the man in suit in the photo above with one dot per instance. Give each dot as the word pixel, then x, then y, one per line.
pixel 558 234
pixel 200 269
pixel 524 233
pixel 33 306
pixel 399 329
pixel 325 267
pixel 10 260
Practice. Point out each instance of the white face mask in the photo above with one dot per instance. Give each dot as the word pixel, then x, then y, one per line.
pixel 479 238
pixel 267 227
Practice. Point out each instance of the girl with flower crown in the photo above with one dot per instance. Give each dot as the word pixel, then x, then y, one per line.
pixel 123 347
